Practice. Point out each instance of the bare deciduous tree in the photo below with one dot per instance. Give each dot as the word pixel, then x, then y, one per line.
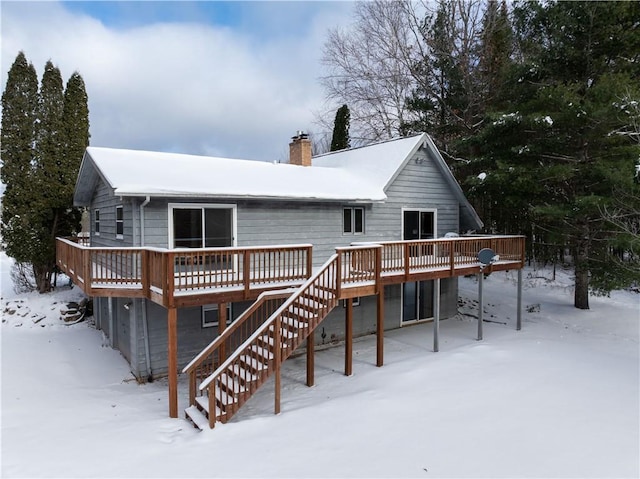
pixel 369 67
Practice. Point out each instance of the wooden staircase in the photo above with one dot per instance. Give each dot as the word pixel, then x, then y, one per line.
pixel 219 385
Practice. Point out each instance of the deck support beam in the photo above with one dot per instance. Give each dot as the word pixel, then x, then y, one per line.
pixel 348 353
pixel 480 304
pixel 311 358
pixel 172 338
pixel 519 302
pixel 277 343
pixel 380 329
pixel 436 316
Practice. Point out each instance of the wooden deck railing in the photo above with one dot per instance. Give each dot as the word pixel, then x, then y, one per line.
pixel 446 256
pixel 174 277
pixel 189 277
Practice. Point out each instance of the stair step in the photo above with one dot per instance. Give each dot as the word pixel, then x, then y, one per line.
pixel 243 375
pixel 320 292
pixel 196 416
pixel 311 303
pixel 224 397
pixel 253 363
pixel 264 352
pixel 202 404
pixel 294 322
pixel 231 382
pixel 298 312
pixel 284 334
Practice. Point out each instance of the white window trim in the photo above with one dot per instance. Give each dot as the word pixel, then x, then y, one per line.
pixel 353 231
pixel 96 221
pixel 121 208
pixel 214 307
pixel 203 206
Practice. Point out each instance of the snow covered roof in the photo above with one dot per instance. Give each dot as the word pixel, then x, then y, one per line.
pixel 146 173
pixel 357 175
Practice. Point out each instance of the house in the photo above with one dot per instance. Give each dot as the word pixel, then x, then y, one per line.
pixel 212 217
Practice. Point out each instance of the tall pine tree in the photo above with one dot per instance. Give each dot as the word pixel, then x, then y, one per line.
pixel 19 113
pixel 43 148
pixel 340 137
pixel 558 157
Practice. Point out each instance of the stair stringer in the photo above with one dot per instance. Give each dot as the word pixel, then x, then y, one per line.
pixel 248 367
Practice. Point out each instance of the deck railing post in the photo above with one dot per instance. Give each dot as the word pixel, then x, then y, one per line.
pixel 452 256
pixel 309 262
pixel 86 270
pixel 338 275
pixel 146 271
pixel 246 272
pixel 378 256
pixel 169 278
pixel 407 260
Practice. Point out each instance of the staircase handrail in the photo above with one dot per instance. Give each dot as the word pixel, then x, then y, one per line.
pixel 215 344
pixel 261 330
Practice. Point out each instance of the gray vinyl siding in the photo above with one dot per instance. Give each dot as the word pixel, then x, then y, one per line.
pixel 419 185
pixel 106 202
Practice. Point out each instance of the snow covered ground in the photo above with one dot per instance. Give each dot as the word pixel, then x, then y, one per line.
pixel 558 399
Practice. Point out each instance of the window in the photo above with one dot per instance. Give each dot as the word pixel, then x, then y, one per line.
pixel 207 226
pixel 353 221
pixel 96 222
pixel 119 222
pixel 355 301
pixel 210 315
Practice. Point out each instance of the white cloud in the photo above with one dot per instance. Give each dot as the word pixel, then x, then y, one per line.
pixel 187 87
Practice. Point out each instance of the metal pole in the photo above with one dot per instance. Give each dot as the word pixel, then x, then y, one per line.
pixel 480 305
pixel 519 313
pixel 436 316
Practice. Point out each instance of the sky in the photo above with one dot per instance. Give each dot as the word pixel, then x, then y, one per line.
pixel 230 79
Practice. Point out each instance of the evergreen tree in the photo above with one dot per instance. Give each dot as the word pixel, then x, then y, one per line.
pixel 19 109
pixel 556 152
pixel 340 137
pixel 49 154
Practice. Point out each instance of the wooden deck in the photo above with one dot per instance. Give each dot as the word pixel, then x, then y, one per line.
pixel 191 277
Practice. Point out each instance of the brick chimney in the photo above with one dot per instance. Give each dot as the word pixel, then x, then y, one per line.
pixel 300 150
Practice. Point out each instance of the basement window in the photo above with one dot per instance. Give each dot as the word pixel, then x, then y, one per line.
pixel 353 221
pixel 210 317
pixel 119 222
pixel 355 301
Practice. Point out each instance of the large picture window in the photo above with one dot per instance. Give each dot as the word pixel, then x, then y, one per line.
pixel 207 226
pixel 353 220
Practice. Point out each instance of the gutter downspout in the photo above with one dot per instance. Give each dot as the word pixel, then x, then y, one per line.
pixel 142 205
pixel 145 325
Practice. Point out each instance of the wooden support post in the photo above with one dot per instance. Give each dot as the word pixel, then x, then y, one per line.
pixel 436 316
pixel 348 350
pixel 172 326
pixel 276 362
pixel 480 304
pixel 519 306
pixel 380 329
pixel 310 358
